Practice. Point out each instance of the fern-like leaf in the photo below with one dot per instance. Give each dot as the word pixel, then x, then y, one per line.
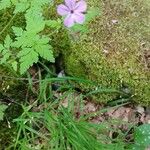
pixel 1 48
pixel 27 57
pixel 56 24
pixel 45 51
pixel 5 49
pixel 17 31
pixel 30 44
pixel 5 4
pixel 21 7
pixel 35 22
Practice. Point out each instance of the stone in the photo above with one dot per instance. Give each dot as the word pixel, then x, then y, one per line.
pixel 111 54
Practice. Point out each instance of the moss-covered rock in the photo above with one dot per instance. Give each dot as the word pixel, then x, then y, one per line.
pixel 115 51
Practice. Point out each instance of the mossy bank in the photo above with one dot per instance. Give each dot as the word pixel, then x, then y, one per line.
pixel 115 53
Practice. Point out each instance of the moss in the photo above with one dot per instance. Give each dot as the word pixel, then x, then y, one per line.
pixel 7 75
pixel 113 53
pixel 8 129
pixel 7 135
pixel 5 81
pixel 7 20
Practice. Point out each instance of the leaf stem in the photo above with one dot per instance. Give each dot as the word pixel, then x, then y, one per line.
pixel 10 21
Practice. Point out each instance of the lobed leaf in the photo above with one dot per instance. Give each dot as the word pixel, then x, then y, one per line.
pixel 18 31
pixel 21 6
pixel 45 51
pixel 27 60
pixel 5 4
pixel 5 49
pixel 1 48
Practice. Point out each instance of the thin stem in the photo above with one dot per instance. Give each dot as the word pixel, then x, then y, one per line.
pixel 8 24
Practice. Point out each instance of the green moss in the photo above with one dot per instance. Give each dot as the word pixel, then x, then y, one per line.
pixel 8 129
pixel 7 135
pixel 113 53
pixel 7 75
pixel 7 80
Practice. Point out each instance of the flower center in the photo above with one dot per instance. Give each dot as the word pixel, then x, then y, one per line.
pixel 72 11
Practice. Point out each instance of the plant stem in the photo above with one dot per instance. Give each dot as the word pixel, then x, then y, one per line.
pixel 8 24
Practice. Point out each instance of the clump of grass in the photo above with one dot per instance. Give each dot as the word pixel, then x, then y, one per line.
pixel 47 124
pixel 58 129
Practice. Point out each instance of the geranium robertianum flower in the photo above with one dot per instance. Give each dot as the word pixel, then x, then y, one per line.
pixel 74 12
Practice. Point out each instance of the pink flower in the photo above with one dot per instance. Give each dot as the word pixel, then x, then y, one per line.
pixel 74 12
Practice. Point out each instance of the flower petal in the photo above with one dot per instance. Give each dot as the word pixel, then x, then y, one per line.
pixel 70 4
pixel 81 6
pixel 69 21
pixel 62 10
pixel 79 18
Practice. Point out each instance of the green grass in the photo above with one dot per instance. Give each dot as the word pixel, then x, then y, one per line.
pixel 48 119
pixel 46 124
pixel 58 129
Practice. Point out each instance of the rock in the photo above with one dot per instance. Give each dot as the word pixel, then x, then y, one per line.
pixel 112 55
pixel 140 109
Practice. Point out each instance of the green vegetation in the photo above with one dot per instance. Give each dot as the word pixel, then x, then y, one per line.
pixel 2 109
pixel 106 63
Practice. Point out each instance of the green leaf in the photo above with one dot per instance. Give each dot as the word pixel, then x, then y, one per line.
pixel 35 23
pixel 54 23
pixel 24 52
pixel 28 59
pixel 5 50
pixel 40 2
pixel 5 4
pixel 43 48
pixel 5 57
pixel 30 45
pixel 7 42
pixel 14 2
pixel 2 109
pixel 21 6
pixel 45 51
pixel 27 39
pixel 91 14
pixel 14 65
pixel 142 135
pixel 18 31
pixel 1 48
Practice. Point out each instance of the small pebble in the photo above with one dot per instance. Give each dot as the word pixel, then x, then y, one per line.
pixel 140 109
